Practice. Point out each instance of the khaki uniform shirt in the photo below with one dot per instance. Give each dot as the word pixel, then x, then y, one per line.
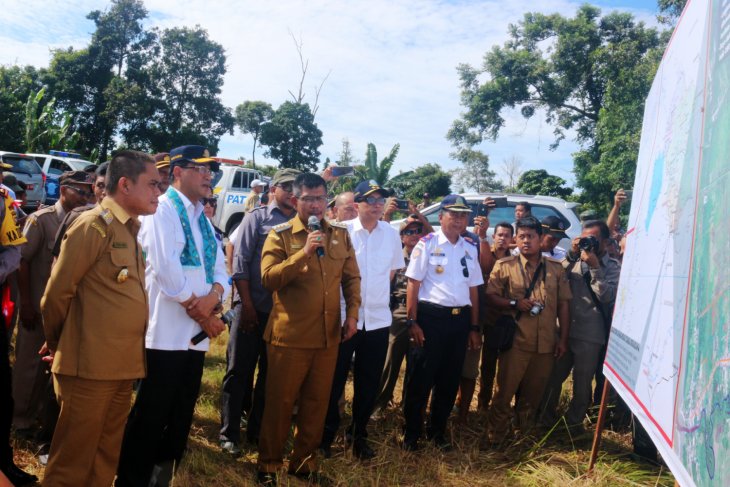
pixel 40 231
pixel 398 287
pixel 252 202
pixel 93 317
pixel 510 280
pixel 306 290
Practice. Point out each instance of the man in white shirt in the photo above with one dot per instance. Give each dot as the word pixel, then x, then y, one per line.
pixel 185 276
pixel 379 254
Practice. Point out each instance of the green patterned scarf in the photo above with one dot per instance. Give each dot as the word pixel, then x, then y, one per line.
pixel 190 256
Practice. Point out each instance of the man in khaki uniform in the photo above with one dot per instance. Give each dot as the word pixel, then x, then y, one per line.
pixel 94 317
pixel 305 269
pixel 29 373
pixel 528 364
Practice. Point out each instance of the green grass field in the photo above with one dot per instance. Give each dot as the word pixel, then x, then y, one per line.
pixel 552 458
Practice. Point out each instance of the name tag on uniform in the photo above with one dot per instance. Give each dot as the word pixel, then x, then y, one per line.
pixel 119 245
pixel 296 246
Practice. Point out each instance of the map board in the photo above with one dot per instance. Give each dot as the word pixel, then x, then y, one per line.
pixel 669 351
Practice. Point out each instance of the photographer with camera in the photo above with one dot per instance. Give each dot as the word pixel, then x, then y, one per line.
pixel 533 293
pixel 593 278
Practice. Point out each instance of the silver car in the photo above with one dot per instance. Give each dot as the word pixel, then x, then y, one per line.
pixel 542 206
pixel 27 170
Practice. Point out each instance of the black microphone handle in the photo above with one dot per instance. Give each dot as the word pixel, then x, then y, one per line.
pixel 320 252
pixel 199 338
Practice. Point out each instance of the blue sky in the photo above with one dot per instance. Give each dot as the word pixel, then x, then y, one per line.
pixel 392 64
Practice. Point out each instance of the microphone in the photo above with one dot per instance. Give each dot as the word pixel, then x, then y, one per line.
pixel 199 338
pixel 314 226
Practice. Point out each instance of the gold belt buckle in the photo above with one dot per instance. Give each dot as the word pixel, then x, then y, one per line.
pixel 455 311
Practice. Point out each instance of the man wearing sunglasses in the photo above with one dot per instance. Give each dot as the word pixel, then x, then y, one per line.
pixel 186 283
pixel 379 255
pixel 246 347
pixel 30 374
pixel 442 306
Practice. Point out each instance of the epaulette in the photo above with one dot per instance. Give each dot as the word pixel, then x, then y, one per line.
pixel 428 237
pixel 44 210
pixel 554 260
pixel 338 225
pixel 281 227
pixel 507 259
pixel 470 241
pixel 3 193
pixel 107 216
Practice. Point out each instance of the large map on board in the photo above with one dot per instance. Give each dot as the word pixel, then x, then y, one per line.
pixel 669 351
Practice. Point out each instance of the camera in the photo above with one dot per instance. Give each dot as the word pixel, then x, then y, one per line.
pixel 589 244
pixel 536 309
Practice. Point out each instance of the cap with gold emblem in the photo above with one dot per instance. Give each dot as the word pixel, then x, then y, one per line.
pixel 196 154
pixel 455 202
pixel 162 160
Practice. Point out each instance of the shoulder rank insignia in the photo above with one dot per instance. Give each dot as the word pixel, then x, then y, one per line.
pixel 337 224
pixel 428 237
pixel 107 216
pixel 99 229
pixel 3 193
pixel 281 227
pixel 469 240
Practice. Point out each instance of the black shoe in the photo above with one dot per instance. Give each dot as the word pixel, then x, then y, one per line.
pixel 442 444
pixel 267 478
pixel 362 450
pixel 18 477
pixel 410 445
pixel 314 478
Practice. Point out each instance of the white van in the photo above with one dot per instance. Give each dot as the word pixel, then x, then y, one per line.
pixel 232 185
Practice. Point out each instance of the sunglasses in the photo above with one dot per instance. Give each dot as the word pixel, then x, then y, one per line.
pixel 412 231
pixel 210 201
pixel 374 200
pixel 81 192
pixel 465 270
pixel 285 187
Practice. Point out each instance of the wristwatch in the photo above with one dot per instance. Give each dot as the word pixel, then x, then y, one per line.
pixel 409 322
pixel 512 303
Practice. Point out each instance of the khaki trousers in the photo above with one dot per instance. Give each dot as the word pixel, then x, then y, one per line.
pixel 526 371
pixel 88 435
pixel 29 376
pixel 302 373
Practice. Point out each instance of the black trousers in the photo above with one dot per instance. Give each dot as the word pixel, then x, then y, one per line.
pixel 245 350
pixel 159 423
pixel 6 398
pixel 437 365
pixel 370 349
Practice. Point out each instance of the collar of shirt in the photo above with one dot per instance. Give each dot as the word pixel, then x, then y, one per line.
pixel 194 209
pixel 442 239
pixel 60 212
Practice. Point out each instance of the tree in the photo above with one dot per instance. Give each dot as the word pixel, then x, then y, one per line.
pixel 428 178
pixel 475 173
pixel 44 128
pixel 17 83
pixel 304 64
pixel 563 67
pixel 292 137
pixel 379 172
pixel 188 72
pixel 538 181
pixel 250 118
pixel 512 170
pixel 670 10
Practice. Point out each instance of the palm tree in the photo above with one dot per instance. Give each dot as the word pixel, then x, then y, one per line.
pixel 379 172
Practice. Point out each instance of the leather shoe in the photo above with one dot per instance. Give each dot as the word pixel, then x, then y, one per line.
pixel 267 478
pixel 362 450
pixel 18 477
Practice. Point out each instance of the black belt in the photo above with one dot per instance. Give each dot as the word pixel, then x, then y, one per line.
pixel 438 310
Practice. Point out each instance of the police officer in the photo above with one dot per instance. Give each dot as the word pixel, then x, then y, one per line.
pixel 442 304
pixel 94 318
pixel 305 269
pixel 528 364
pixel 29 374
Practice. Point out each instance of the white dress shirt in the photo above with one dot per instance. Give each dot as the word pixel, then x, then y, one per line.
pixel 437 263
pixel 168 284
pixel 378 253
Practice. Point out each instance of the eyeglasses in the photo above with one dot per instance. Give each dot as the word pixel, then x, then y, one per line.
pixel 213 202
pixel 81 192
pixel 465 270
pixel 314 199
pixel 100 185
pixel 285 187
pixel 412 231
pixel 374 200
pixel 202 170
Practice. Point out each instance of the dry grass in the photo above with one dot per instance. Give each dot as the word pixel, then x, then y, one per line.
pixel 552 458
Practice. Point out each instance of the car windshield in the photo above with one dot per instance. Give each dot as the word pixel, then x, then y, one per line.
pixel 25 165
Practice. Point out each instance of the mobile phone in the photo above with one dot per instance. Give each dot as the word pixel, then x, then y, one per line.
pixel 342 170
pixel 402 204
pixel 629 193
pixel 500 201
pixel 482 210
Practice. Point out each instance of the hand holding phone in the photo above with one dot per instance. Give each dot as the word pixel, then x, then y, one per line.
pixel 339 171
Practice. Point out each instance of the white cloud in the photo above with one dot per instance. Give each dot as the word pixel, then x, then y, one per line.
pixel 392 63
